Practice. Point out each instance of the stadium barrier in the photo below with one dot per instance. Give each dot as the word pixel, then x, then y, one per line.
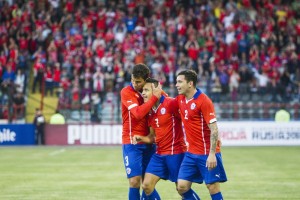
pixel 17 134
pixel 232 134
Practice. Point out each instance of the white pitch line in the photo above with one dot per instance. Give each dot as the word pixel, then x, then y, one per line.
pixel 53 153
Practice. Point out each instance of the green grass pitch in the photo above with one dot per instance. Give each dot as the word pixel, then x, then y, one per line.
pixel 77 173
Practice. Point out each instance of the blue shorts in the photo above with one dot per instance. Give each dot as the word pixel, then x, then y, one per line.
pixel 194 167
pixel 136 158
pixel 165 166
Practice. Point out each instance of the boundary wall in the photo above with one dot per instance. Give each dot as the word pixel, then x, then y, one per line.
pixel 231 133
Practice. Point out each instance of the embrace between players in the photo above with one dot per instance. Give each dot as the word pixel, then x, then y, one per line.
pixel 168 138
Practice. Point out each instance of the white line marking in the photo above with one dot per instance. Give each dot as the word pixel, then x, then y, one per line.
pixel 53 153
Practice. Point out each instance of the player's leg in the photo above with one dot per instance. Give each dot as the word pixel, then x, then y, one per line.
pixel 148 150
pixel 156 170
pixel 134 188
pixel 132 156
pixel 185 190
pixel 149 183
pixel 188 171
pixel 213 177
pixel 173 164
pixel 214 191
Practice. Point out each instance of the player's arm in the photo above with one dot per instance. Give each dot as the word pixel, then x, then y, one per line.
pixel 214 138
pixel 207 109
pixel 150 138
pixel 140 111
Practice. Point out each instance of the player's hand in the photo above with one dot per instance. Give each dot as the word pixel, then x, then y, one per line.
pixel 157 90
pixel 136 139
pixel 211 161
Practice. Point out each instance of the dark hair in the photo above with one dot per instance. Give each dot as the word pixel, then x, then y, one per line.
pixel 189 75
pixel 152 80
pixel 141 71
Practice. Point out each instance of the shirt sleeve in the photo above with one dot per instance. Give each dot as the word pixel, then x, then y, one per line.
pixel 132 104
pixel 208 111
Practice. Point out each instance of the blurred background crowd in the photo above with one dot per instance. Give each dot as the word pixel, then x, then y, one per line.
pixel 82 51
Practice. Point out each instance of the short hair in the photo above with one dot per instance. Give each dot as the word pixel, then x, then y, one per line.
pixel 189 75
pixel 152 80
pixel 141 71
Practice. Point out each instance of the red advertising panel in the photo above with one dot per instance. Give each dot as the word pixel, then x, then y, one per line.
pixel 56 134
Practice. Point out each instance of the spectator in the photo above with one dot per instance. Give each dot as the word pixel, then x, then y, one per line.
pixel 259 36
pixel 20 81
pixel 48 81
pixel 282 115
pixel 39 122
pixel 38 74
pixel 5 112
pixel 18 105
pixel 234 84
pixel 98 83
pixel 216 90
pixel 9 75
pixel 57 118
pixel 56 75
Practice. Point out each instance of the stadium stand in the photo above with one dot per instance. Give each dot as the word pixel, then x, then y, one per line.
pixel 82 51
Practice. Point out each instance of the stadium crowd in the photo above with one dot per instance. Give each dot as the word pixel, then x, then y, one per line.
pixel 80 50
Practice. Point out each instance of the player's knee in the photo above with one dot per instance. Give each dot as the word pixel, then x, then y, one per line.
pixel 213 188
pixel 182 188
pixel 148 188
pixel 135 182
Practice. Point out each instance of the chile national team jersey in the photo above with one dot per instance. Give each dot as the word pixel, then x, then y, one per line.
pixel 134 120
pixel 196 114
pixel 166 122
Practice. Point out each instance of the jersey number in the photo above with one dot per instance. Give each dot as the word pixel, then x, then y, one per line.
pixel 185 114
pixel 126 161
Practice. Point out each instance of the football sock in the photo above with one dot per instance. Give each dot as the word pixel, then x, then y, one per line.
pixel 217 196
pixel 134 194
pixel 190 195
pixel 144 196
pixel 154 195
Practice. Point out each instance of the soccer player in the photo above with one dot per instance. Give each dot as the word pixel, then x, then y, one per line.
pixel 136 157
pixel 203 147
pixel 166 131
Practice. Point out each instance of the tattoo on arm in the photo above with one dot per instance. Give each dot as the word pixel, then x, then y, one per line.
pixel 214 134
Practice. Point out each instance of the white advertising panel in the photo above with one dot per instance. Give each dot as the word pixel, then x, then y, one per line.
pixel 259 133
pixel 231 133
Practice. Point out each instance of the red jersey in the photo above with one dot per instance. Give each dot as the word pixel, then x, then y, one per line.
pixel 133 114
pixel 196 114
pixel 166 122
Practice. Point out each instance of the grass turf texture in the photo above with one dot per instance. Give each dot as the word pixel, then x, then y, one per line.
pixel 76 173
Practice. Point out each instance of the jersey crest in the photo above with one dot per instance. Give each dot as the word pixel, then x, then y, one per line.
pixel 193 106
pixel 163 111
